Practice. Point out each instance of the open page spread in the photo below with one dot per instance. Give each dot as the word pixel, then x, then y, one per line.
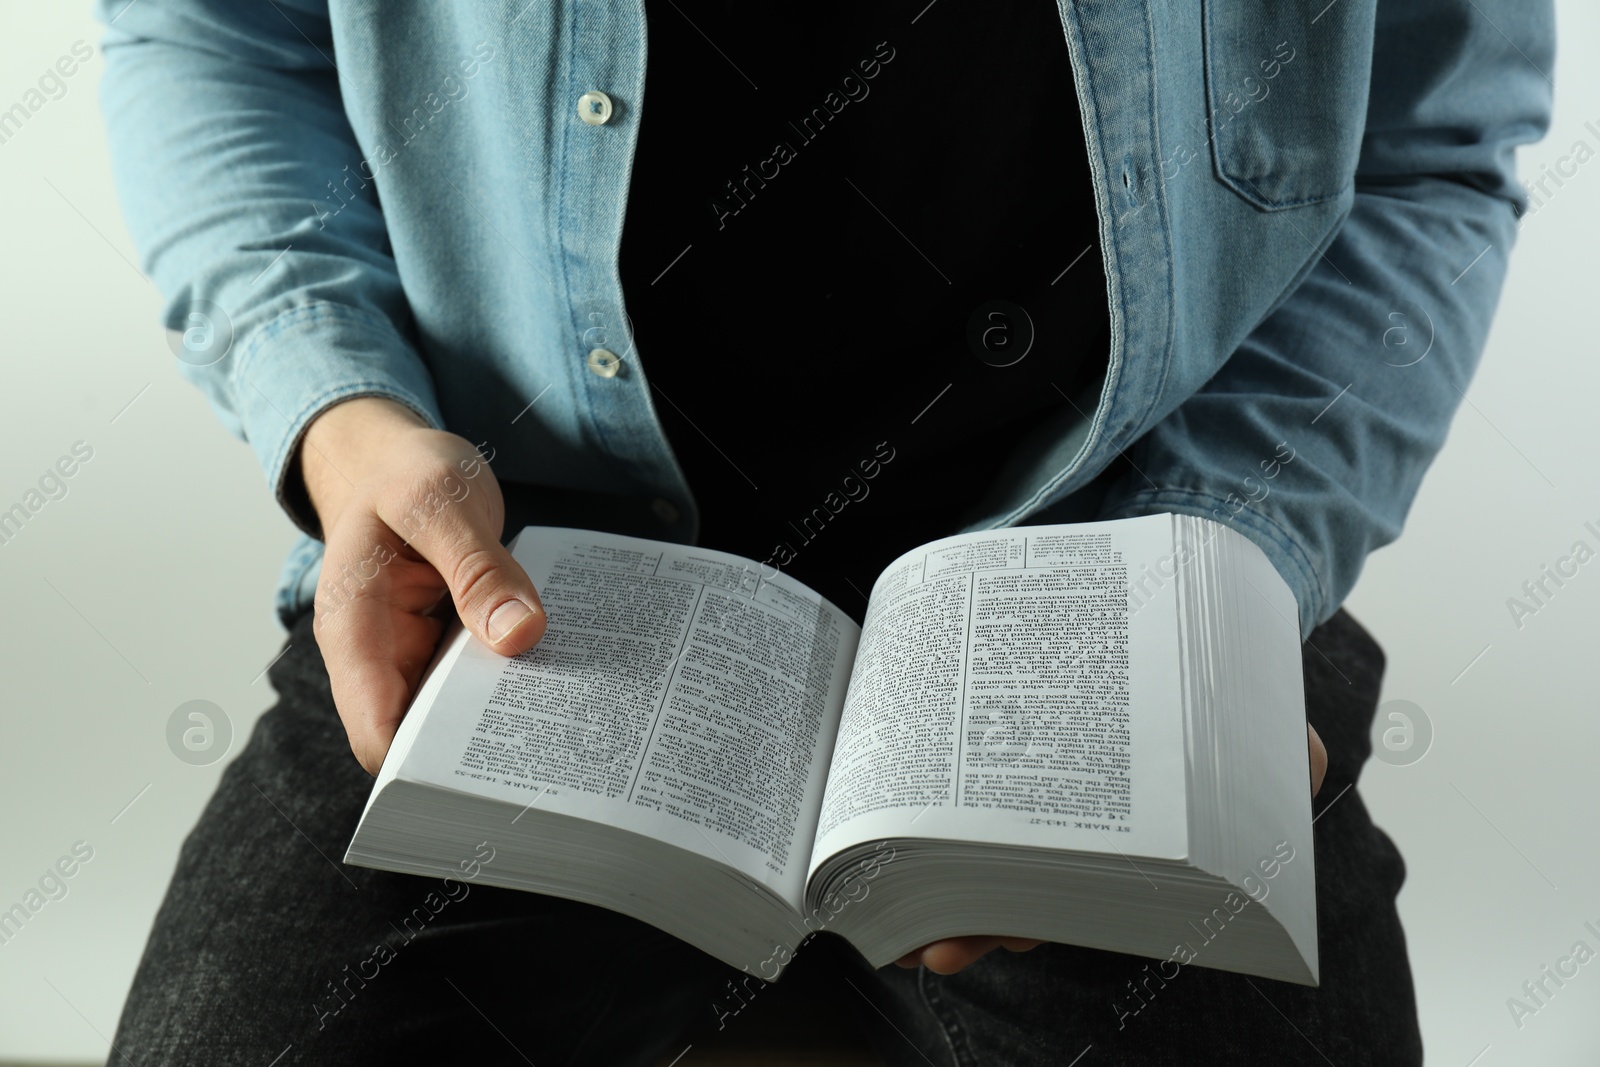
pixel 678 692
pixel 1004 692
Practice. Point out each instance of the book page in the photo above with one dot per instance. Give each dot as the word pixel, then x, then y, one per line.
pixel 678 692
pixel 1005 691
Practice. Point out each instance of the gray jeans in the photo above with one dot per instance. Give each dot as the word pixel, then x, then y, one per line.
pixel 268 946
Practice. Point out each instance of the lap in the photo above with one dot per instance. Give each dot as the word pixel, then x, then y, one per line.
pixel 267 942
pixel 1050 1004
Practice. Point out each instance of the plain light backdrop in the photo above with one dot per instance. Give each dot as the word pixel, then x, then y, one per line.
pixel 149 585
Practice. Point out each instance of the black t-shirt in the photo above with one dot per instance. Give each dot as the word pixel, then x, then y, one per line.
pixel 843 227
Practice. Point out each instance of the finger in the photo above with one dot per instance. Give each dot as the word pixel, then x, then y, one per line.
pixel 950 955
pixel 454 522
pixel 1319 760
pixel 955 954
pixel 374 637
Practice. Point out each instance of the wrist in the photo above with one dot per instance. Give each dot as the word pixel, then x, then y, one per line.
pixel 343 444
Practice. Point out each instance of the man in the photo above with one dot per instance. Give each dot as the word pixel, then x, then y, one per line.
pixel 1042 263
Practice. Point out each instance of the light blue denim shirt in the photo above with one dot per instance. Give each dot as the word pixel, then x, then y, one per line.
pixel 1305 212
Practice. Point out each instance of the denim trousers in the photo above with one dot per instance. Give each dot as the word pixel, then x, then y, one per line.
pixel 265 950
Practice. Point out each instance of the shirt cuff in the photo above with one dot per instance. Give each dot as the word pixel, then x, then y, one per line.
pixel 1281 546
pixel 303 362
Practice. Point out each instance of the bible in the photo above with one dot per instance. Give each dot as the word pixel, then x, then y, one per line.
pixel 1090 733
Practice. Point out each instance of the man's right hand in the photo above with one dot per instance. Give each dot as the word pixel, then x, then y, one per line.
pixel 410 515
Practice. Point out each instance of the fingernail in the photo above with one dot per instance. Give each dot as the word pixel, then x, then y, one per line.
pixel 507 617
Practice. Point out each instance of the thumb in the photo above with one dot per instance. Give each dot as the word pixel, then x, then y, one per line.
pixel 493 595
pixel 495 598
pixel 1319 759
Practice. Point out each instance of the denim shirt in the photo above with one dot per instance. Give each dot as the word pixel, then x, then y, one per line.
pixel 1305 213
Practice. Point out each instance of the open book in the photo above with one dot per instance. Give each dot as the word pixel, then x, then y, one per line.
pixel 1092 733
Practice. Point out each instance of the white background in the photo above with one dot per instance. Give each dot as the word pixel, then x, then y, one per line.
pixel 149 585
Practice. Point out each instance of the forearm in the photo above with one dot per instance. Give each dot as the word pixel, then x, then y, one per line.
pixel 227 130
pixel 1358 373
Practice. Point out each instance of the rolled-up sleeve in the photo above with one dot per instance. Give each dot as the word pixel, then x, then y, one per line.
pixel 245 192
pixel 1313 438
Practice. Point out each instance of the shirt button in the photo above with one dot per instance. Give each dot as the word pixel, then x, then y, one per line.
pixel 604 362
pixel 594 108
pixel 665 510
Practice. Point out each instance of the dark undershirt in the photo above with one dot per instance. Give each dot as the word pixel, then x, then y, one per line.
pixel 813 343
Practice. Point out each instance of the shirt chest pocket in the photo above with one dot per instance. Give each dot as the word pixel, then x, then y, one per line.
pixel 1286 96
